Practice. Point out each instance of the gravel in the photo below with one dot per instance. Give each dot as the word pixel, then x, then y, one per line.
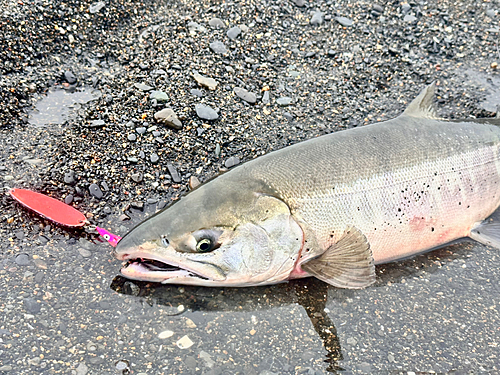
pixel 81 86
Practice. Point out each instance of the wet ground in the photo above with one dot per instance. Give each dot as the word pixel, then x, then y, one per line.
pixel 81 84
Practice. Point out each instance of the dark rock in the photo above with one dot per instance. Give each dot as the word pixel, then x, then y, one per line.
pixel 31 305
pixel 69 177
pixel 23 260
pixel 95 191
pixel 173 172
pixel 137 205
pixel 69 199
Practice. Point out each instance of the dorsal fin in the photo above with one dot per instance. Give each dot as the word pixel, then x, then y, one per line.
pixel 423 105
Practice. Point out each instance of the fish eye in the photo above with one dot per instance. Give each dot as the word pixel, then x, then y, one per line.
pixel 164 241
pixel 204 245
pixel 107 237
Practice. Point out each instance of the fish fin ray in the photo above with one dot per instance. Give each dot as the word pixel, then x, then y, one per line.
pixel 423 105
pixel 487 233
pixel 346 264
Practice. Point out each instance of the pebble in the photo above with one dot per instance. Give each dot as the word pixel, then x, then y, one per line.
pixel 218 47
pixel 97 123
pixel 68 199
pixel 209 362
pixel 96 7
pixel 31 306
pixel 131 137
pixel 284 101
pixel 173 172
pixel 143 87
pixel 141 130
pixel 196 92
pixel 84 252
pixel 351 341
pixel 82 369
pixel 194 182
pixel 169 118
pixel 205 112
pixel 266 97
pixel 165 334
pixel 6 368
pixel 377 8
pixel 159 96
pixel 233 32
pixel 210 83
pixel 70 77
pixel 39 263
pixel 184 342
pixel 22 260
pixel 95 191
pixel 317 18
pixel 136 177
pixel 245 95
pixel 410 18
pixel 121 365
pixel 231 162
pixel 154 158
pixel 69 178
pixel 216 23
pixel 299 3
pixel 190 323
pixel 344 21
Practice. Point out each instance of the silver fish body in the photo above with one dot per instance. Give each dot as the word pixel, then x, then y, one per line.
pixel 330 207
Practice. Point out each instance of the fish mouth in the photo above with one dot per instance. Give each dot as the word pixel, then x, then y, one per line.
pixel 156 270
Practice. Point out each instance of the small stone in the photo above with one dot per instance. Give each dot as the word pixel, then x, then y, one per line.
pixel 196 92
pixel 132 137
pixel 39 263
pixel 173 172
pixel 205 81
pixel 39 277
pixel 22 260
pixel 159 96
pixel 142 87
pixel 410 18
pixel 205 112
pixel 141 130
pixel 96 7
pixel 390 358
pixel 69 178
pixel 377 8
pixel 122 365
pixel 317 18
pixel 124 217
pixel 288 116
pixel 218 47
pixel 405 8
pixel 69 199
pixel 216 23
pixel 266 98
pixel 154 158
pixel 351 341
pixel 194 182
pixel 70 77
pixel 84 252
pixel 184 342
pixel 190 323
pixel 97 123
pixel 6 368
pixel 165 334
pixel 95 191
pixel 209 362
pixel 245 95
pixel 284 101
pixel 137 205
pixel 231 162
pixel 344 21
pixel 136 177
pixel 494 65
pixel 169 118
pixel 491 13
pixel 233 32
pixel 299 3
pixel 31 306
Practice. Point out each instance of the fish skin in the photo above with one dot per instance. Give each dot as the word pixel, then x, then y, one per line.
pixel 407 185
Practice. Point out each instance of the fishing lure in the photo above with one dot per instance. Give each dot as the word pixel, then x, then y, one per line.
pixel 57 211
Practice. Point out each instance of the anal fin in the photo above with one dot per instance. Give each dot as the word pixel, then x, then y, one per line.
pixel 487 233
pixel 346 264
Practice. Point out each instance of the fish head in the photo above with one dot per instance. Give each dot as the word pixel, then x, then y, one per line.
pixel 217 235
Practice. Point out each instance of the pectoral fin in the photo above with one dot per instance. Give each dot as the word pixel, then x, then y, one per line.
pixel 346 264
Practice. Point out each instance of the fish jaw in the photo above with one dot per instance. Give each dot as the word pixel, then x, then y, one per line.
pixel 164 265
